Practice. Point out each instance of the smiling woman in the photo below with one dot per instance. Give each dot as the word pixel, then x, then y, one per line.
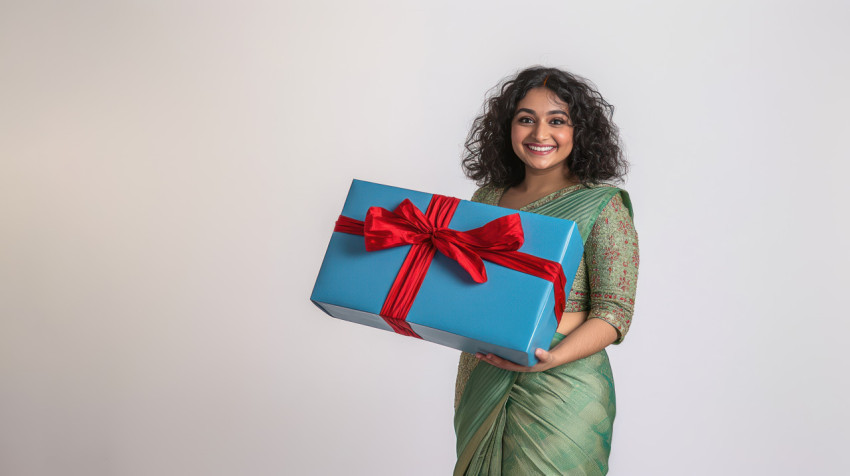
pixel 546 144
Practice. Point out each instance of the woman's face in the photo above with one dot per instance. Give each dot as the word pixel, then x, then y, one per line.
pixel 541 134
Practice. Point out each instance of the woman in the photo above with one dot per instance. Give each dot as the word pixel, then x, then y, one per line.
pixel 546 144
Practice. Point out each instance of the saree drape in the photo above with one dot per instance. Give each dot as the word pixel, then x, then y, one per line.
pixel 555 422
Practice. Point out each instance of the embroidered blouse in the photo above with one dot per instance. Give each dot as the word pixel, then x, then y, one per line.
pixel 607 275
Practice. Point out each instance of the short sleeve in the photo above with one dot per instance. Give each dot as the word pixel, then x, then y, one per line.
pixel 612 258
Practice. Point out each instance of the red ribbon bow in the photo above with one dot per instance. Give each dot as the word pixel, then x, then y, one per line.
pixel 497 241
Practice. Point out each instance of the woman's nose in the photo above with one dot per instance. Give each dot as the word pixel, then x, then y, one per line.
pixel 540 132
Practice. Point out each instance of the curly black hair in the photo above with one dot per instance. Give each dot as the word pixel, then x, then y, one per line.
pixel 489 158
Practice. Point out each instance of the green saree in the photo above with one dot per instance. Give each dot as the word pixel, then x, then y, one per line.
pixel 555 422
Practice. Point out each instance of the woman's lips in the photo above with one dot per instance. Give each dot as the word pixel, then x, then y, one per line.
pixel 539 149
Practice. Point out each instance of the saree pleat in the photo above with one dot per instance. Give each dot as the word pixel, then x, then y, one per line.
pixel 553 422
pixel 559 421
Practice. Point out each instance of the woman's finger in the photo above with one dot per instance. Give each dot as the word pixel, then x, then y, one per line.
pixel 497 361
pixel 543 355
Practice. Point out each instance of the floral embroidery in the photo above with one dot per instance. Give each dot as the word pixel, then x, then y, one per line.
pixel 596 280
pixel 611 255
pixel 624 282
pixel 608 273
pixel 623 227
pixel 616 206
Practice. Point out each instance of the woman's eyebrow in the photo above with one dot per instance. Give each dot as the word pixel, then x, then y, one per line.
pixel 554 111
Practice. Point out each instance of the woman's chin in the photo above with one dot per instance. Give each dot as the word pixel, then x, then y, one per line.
pixel 542 167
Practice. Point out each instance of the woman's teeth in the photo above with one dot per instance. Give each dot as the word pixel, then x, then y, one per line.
pixel 541 149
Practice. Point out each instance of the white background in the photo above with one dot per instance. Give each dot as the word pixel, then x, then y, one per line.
pixel 170 174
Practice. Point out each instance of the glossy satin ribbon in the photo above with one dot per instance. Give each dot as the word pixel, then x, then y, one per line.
pixel 497 242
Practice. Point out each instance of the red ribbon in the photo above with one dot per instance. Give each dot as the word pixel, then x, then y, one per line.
pixel 497 242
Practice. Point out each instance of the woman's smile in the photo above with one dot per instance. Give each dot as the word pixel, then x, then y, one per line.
pixel 540 149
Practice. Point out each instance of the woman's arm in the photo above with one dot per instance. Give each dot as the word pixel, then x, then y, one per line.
pixel 589 338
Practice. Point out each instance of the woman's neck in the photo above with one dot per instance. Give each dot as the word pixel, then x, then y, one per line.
pixel 537 183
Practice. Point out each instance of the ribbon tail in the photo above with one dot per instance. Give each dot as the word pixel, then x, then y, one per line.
pixel 468 259
pixel 535 266
pixel 406 286
pixel 349 225
pixel 401 327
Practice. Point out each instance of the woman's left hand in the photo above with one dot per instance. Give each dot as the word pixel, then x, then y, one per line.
pixel 545 361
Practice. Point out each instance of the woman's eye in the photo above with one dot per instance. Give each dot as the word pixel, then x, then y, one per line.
pixel 558 122
pixel 525 120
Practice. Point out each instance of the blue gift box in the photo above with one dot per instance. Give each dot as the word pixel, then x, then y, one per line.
pixel 510 315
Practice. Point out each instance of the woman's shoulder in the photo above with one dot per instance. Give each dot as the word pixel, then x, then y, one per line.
pixel 488 194
pixel 618 198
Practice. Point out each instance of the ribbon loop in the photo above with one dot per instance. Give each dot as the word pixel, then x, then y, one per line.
pixel 406 225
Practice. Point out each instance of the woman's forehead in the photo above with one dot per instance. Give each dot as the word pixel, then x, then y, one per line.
pixel 543 99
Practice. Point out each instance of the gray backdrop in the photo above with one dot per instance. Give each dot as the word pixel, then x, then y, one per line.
pixel 171 172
